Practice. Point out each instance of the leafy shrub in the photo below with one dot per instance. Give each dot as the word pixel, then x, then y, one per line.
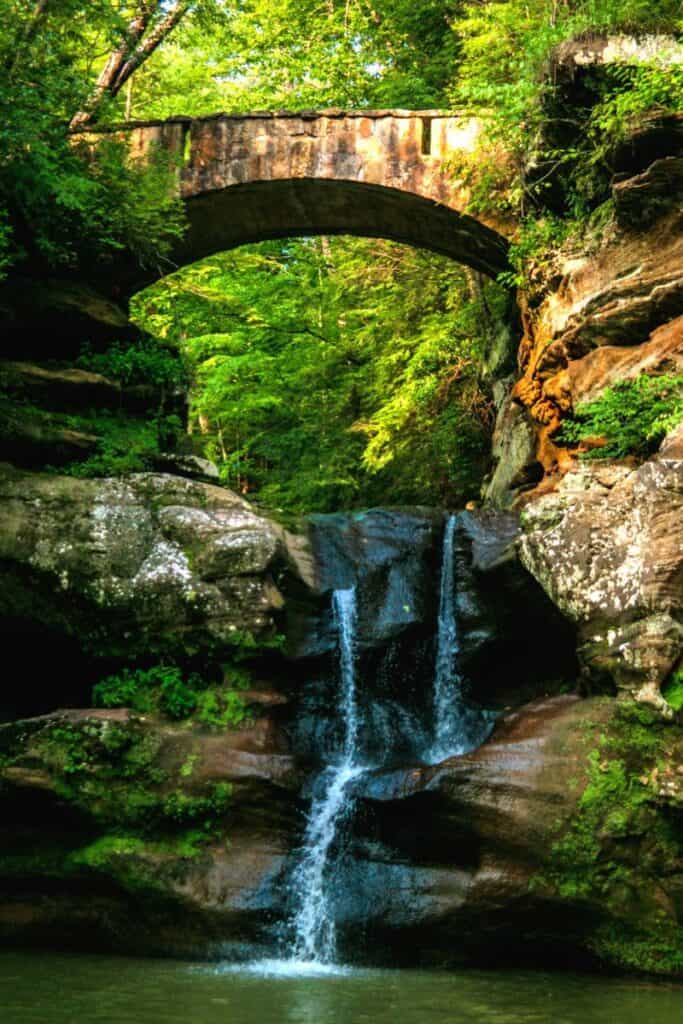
pixel 145 690
pixel 178 696
pixel 507 49
pixel 146 361
pixel 673 691
pixel 534 246
pixel 222 708
pixel 632 417
pixel 125 445
pixel 164 689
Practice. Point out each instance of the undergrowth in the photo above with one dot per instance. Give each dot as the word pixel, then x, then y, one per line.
pixel 630 418
pixel 166 690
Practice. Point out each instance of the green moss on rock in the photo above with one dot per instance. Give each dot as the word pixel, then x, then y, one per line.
pixel 622 847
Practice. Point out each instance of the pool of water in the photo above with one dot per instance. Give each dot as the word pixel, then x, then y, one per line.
pixel 38 988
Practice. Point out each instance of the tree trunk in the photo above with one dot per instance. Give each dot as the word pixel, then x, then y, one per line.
pixel 145 32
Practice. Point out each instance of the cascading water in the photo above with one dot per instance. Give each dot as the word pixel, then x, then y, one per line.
pixel 314 925
pixel 458 728
pixel 394 720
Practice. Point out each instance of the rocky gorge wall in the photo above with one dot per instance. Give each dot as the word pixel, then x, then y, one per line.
pixel 604 536
pixel 559 838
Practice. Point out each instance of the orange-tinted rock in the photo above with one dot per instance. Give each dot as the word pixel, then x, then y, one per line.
pixel 605 366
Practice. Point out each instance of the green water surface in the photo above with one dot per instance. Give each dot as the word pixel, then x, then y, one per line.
pixel 40 988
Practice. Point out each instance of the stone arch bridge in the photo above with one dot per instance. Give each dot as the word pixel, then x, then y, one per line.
pixel 386 174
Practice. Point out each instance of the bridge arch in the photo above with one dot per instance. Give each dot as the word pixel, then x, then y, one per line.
pixel 381 174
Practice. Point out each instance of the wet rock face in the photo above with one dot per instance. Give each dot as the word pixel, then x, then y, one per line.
pixel 462 861
pixel 607 545
pixel 499 605
pixel 137 564
pixel 445 864
pixel 144 836
pixel 392 558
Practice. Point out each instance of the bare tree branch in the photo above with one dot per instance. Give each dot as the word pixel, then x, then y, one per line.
pixel 149 44
pixel 141 39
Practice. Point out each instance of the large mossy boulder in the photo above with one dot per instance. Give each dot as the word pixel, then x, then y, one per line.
pixel 138 565
pixel 130 833
pixel 560 840
pixel 607 546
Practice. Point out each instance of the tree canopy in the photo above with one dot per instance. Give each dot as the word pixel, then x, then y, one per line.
pixel 333 371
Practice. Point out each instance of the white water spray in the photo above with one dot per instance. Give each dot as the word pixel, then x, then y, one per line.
pixel 314 925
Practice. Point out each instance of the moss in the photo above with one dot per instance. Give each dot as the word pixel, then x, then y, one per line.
pixel 115 776
pixel 622 842
pixel 673 691
pixel 649 952
pixel 166 690
pixel 137 864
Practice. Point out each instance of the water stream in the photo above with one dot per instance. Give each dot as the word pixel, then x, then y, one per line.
pixel 458 728
pixel 314 924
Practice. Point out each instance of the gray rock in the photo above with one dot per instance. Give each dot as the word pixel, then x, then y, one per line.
pixel 191 466
pixel 607 546
pixel 137 563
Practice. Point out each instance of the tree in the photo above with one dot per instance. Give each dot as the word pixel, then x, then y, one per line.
pixel 151 23
pixel 57 205
pixel 333 373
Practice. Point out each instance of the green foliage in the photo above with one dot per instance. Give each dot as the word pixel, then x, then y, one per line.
pixel 297 54
pixel 185 809
pixel 144 362
pixel 125 444
pixel 620 842
pixel 673 691
pixel 537 240
pixel 223 708
pixel 166 690
pixel 161 687
pixel 335 372
pixel 650 952
pixel 506 72
pixel 631 418
pixel 58 204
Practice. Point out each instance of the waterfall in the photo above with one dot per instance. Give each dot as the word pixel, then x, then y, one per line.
pixel 314 925
pixel 457 727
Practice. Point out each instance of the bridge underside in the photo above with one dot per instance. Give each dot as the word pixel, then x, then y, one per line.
pixel 262 210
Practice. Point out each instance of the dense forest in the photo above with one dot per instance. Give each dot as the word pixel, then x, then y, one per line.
pixel 331 372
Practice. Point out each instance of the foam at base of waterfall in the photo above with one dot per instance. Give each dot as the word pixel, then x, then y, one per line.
pixel 287 968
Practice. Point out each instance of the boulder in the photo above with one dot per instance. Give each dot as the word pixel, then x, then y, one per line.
pixel 607 546
pixel 132 834
pixel 191 466
pixel 139 564
pixel 392 557
pixel 518 853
